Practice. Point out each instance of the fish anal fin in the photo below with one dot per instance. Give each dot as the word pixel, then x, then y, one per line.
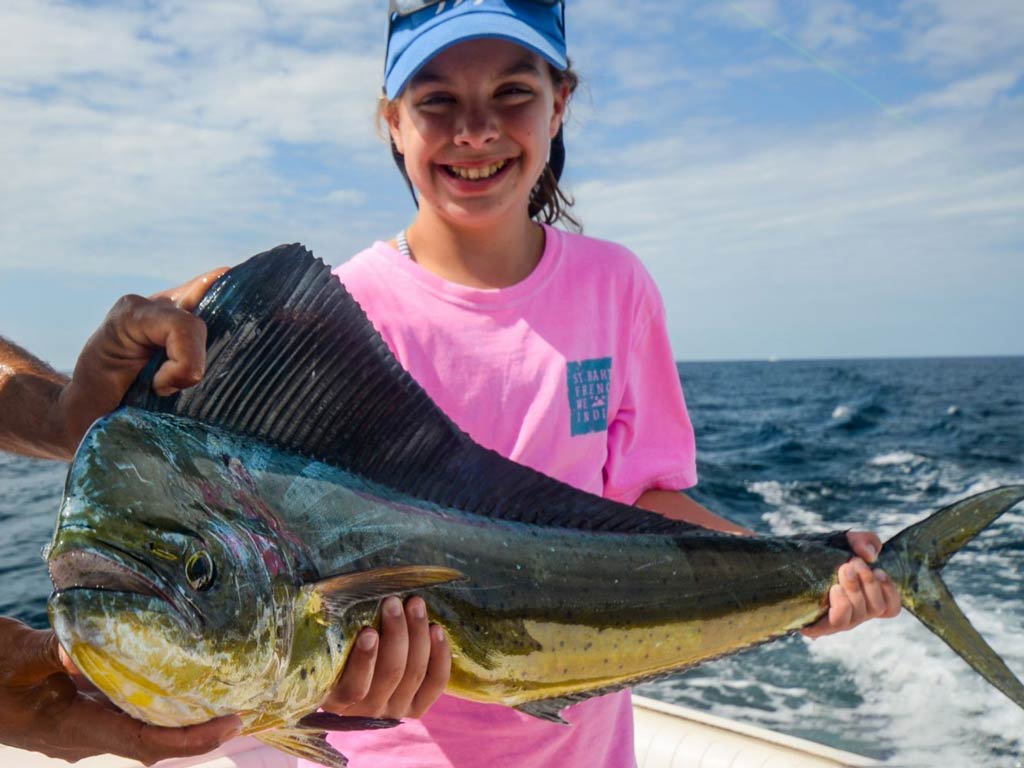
pixel 548 709
pixel 308 743
pixel 338 593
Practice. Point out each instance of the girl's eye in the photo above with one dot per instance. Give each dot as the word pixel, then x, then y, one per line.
pixel 200 571
pixel 435 100
pixel 514 91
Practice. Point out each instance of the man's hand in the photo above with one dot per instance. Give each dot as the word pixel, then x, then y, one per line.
pixel 41 709
pixel 398 672
pixel 134 329
pixel 861 594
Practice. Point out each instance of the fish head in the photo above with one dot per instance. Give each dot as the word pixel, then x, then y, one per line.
pixel 172 589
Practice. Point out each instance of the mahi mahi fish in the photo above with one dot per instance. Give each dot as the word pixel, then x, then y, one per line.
pixel 217 551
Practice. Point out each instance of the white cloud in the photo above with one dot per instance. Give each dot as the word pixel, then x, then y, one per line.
pixel 947 34
pixel 162 139
pixel 743 13
pixel 147 134
pixel 347 197
pixel 835 24
pixel 41 42
pixel 814 224
pixel 972 93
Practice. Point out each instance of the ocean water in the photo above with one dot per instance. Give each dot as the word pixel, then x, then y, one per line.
pixel 792 447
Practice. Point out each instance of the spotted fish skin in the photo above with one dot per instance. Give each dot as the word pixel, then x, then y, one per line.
pixel 217 551
pixel 542 612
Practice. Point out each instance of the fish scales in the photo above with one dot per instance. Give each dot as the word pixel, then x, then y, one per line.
pixel 218 551
pixel 591 610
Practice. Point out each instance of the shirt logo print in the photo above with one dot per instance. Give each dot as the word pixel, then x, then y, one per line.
pixel 589 384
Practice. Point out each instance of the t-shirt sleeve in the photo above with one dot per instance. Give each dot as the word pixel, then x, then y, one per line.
pixel 650 438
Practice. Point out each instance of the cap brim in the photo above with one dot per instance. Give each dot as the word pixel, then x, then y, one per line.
pixel 470 26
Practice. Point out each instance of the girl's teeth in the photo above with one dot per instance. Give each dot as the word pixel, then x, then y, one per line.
pixel 477 173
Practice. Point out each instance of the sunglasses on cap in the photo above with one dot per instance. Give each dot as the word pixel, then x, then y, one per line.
pixel 409 7
pixel 419 29
pixel 399 9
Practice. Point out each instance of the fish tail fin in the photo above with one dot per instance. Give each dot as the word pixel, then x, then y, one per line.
pixel 914 558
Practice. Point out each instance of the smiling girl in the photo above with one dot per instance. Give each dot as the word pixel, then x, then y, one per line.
pixel 545 345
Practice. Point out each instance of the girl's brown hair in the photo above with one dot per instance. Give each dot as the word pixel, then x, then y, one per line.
pixel 548 201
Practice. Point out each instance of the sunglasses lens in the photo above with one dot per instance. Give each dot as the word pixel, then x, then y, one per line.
pixel 408 7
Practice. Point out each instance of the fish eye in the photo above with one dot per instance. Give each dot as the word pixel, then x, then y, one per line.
pixel 199 571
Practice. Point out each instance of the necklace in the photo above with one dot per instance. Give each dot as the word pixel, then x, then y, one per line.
pixel 403 245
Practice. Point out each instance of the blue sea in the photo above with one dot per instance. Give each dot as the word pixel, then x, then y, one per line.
pixel 788 447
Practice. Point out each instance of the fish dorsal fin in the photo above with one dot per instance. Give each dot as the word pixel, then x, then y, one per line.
pixel 293 360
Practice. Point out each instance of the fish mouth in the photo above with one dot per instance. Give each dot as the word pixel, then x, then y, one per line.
pixel 117 572
pixel 82 569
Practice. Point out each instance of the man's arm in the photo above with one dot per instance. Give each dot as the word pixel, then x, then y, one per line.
pixel 29 390
pixel 45 414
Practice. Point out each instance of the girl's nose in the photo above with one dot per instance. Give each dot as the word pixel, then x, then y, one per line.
pixel 475 127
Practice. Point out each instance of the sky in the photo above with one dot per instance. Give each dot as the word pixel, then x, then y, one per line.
pixel 819 179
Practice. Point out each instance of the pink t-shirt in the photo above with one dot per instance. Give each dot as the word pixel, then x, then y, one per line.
pixel 569 372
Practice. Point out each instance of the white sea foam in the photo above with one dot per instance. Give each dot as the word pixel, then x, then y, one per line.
pixel 909 677
pixel 786 517
pixel 896 458
pixel 904 675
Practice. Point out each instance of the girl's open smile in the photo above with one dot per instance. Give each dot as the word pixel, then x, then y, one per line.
pixel 477 172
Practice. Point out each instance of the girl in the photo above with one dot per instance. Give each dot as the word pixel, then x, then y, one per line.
pixel 548 347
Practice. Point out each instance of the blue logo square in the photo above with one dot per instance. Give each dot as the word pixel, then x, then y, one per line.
pixel 589 385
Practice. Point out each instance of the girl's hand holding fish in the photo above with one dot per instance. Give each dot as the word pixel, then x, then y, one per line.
pixel 398 672
pixel 861 592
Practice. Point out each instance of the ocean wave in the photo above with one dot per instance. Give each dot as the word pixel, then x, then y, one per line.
pixel 787 517
pixel 858 418
pixel 906 675
pixel 897 458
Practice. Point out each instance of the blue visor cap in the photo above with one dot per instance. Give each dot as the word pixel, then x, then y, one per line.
pixel 419 37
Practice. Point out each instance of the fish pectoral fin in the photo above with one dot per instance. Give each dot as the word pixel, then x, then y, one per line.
pixel 328 721
pixel 339 593
pixel 308 743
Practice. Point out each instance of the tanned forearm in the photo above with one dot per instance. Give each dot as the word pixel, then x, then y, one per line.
pixel 679 506
pixel 29 391
pixel 44 414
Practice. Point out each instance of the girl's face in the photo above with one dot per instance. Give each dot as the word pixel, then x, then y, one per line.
pixel 475 126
